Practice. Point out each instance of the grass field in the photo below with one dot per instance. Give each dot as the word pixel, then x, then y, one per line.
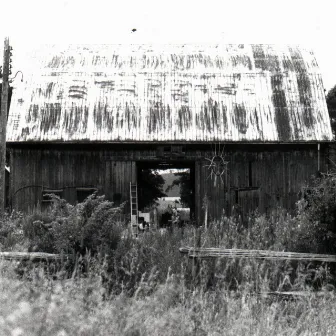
pixel 40 306
pixel 144 286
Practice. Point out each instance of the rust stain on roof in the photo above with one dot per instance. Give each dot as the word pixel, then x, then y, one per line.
pixel 160 93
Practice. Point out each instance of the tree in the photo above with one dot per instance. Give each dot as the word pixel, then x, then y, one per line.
pixel 183 181
pixel 150 187
pixel 331 104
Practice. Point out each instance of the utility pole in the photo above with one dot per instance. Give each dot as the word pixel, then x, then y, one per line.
pixel 3 121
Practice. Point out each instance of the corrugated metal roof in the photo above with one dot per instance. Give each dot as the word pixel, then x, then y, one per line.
pixel 259 93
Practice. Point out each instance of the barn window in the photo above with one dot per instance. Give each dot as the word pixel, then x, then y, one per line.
pixel 117 198
pixel 46 197
pixel 83 193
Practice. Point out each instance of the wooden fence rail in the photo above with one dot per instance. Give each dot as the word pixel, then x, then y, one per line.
pixel 208 253
pixel 197 254
pixel 32 256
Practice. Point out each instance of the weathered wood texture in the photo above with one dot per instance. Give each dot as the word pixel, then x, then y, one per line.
pixel 257 177
pixel 206 253
pixel 37 170
pixel 32 256
pixel 263 180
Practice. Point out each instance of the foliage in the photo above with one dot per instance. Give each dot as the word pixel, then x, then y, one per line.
pixel 149 258
pixel 11 232
pixel 331 101
pixel 317 214
pixel 78 306
pixel 139 268
pixel 150 187
pixel 145 287
pixel 331 104
pixel 88 226
pixel 183 181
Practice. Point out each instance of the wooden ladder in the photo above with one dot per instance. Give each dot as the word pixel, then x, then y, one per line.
pixel 134 208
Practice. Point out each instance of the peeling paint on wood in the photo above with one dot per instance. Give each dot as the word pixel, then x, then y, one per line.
pixel 261 93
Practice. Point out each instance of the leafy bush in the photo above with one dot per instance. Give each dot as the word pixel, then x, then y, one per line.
pixel 88 226
pixel 11 232
pixel 127 264
pixel 316 218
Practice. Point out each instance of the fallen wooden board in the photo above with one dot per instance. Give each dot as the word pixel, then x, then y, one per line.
pixel 204 253
pixel 297 294
pixel 32 256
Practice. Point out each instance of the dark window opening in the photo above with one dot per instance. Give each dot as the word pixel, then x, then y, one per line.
pixel 236 197
pixel 117 199
pixel 84 193
pixel 46 194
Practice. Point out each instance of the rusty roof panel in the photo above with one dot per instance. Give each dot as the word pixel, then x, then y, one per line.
pixel 112 93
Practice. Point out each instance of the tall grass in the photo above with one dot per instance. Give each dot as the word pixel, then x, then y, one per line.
pixel 78 306
pixel 118 285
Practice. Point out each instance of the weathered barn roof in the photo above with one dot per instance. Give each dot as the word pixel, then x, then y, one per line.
pixel 113 93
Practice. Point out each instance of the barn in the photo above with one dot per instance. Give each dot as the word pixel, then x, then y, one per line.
pixel 250 122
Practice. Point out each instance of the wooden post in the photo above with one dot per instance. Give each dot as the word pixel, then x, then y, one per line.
pixel 196 262
pixel 3 122
pixel 318 158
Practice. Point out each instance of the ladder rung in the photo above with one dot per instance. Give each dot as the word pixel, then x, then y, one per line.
pixel 134 208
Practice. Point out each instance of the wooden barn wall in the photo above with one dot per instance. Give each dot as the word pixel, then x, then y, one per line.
pixel 67 170
pixel 264 181
pixel 256 178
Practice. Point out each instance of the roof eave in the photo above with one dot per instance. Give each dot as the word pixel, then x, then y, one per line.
pixel 88 142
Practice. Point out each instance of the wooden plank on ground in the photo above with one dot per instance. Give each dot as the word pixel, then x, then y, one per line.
pixel 204 253
pixel 297 294
pixel 31 256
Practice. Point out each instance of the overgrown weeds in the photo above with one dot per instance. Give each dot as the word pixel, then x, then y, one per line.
pixel 79 306
pixel 119 285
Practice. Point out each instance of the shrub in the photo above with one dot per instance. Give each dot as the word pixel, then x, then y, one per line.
pixel 11 231
pixel 127 263
pixel 36 229
pixel 88 226
pixel 316 216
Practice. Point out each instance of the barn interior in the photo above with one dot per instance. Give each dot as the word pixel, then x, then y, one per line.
pixel 164 188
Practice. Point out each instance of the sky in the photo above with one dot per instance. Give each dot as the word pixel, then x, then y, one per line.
pixel 30 23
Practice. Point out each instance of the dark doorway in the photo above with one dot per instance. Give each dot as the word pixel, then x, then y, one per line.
pixel 166 185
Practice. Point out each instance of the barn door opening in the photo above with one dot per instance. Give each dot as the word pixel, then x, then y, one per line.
pixel 166 191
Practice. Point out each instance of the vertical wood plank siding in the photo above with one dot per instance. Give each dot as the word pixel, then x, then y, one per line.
pixel 262 178
pixel 36 169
